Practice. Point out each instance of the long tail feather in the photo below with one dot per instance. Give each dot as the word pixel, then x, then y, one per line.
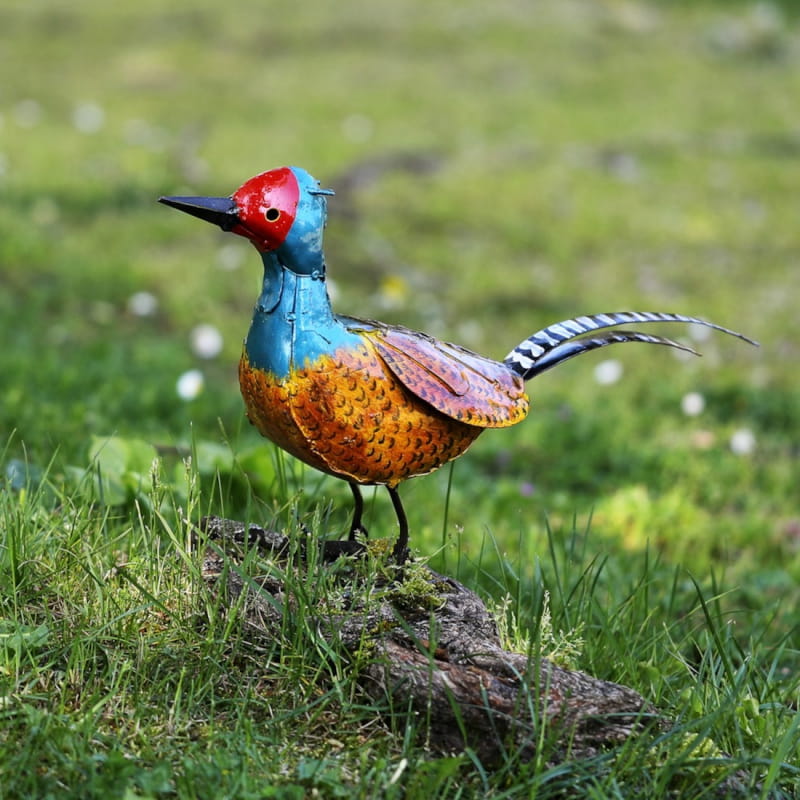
pixel 567 339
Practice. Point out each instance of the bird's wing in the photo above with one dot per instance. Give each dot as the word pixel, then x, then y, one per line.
pixel 455 381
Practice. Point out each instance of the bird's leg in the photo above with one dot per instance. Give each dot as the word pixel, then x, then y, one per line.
pixel 356 527
pixel 400 551
pixel 350 546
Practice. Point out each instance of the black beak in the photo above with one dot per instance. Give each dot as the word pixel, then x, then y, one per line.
pixel 220 211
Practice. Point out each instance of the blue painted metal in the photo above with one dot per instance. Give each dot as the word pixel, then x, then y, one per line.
pixel 301 251
pixel 293 324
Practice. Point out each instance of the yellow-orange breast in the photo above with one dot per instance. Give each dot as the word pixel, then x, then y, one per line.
pixel 348 415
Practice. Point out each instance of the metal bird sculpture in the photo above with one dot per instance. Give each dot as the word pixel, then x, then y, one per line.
pixel 364 401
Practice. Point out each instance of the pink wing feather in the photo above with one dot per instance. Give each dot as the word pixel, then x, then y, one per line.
pixel 455 381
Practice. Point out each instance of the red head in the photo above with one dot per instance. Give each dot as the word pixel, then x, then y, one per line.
pixel 266 206
pixel 280 210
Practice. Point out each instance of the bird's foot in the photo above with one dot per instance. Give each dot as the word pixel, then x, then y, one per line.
pixel 353 545
pixel 331 549
pixel 358 533
pixel 334 548
pixel 401 557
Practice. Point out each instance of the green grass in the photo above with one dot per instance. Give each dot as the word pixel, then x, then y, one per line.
pixel 571 158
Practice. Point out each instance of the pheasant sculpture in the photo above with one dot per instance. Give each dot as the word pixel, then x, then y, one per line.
pixel 364 401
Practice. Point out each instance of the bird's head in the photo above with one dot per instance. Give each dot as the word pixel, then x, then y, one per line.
pixel 282 212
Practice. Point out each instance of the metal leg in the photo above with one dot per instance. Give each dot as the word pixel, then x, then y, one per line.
pixel 400 551
pixel 356 527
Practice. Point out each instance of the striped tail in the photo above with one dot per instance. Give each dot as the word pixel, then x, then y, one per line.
pixel 567 339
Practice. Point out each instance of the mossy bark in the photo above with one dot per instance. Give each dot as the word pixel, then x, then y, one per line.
pixel 438 657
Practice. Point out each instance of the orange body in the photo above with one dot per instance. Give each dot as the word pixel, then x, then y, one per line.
pixel 350 416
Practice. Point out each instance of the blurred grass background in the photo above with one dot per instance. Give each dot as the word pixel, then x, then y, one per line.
pixel 498 167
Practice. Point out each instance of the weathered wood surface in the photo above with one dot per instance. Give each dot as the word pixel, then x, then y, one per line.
pixel 445 664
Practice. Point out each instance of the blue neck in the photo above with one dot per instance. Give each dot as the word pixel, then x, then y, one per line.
pixel 293 324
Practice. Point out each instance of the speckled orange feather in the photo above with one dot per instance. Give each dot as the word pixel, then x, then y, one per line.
pixel 350 415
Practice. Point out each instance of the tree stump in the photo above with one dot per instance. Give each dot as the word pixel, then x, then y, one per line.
pixel 440 658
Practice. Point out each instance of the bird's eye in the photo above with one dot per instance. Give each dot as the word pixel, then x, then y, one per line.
pixel 272 214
